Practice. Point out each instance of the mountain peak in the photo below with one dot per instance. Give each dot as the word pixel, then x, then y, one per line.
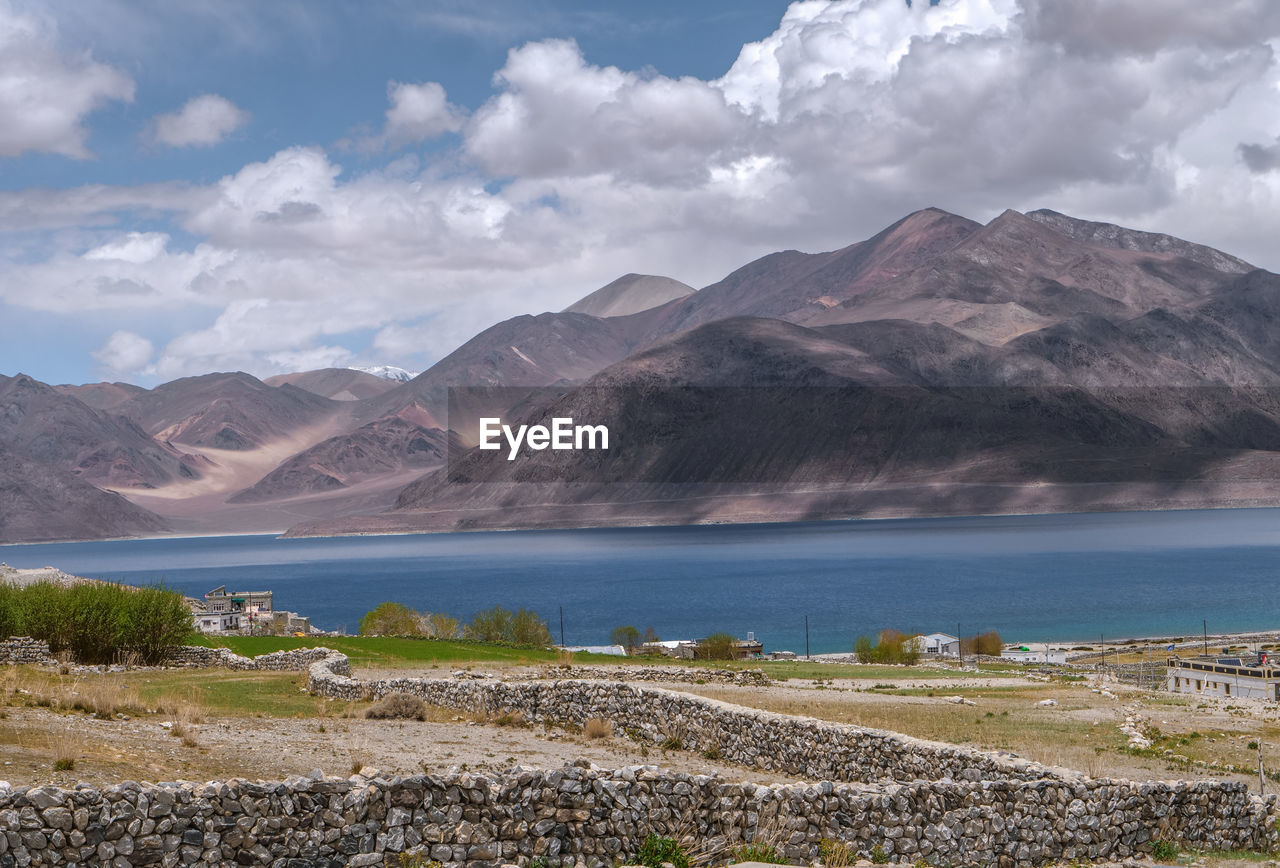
pixel 1120 238
pixel 630 294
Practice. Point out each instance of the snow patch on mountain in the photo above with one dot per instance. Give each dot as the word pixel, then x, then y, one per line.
pixel 388 372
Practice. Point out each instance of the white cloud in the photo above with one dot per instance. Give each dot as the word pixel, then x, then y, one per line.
pixel 124 354
pixel 135 247
pixel 558 115
pixel 419 112
pixel 45 95
pixel 204 120
pixel 850 115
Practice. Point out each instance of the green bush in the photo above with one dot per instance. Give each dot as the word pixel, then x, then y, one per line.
pixel 519 628
pixel 97 622
pixel 390 619
pixel 717 646
pixel 1163 851
pixel 153 621
pixel 891 647
pixel 655 850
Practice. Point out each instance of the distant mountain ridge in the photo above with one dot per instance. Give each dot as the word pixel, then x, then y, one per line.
pixel 1036 362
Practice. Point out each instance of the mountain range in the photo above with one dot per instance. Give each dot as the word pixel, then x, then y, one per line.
pixel 1037 362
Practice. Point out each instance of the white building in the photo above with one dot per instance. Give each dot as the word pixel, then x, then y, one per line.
pixel 217 622
pixel 1225 677
pixel 941 645
pixel 1034 652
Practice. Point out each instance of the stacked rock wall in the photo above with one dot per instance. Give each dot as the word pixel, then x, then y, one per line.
pixel 591 817
pixel 667 674
pixel 814 749
pixel 24 649
pixel 195 656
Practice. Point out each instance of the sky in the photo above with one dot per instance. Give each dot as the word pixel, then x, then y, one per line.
pixel 222 185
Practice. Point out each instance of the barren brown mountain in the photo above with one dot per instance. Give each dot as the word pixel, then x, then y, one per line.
pixel 1035 363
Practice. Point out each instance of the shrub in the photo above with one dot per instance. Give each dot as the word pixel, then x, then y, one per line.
pixel 758 852
pixel 95 622
pixel 878 856
pixel 655 850
pixel 628 637
pixel 717 646
pixel 988 643
pixel 519 628
pixel 154 621
pixel 527 628
pixel 598 727
pixel 671 743
pixel 891 647
pixel 835 854
pixel 713 753
pixel 390 619
pixel 1163 851
pixel 397 706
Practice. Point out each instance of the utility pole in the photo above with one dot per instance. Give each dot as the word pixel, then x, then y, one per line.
pixel 1205 623
pixel 959 644
pixel 562 626
pixel 806 637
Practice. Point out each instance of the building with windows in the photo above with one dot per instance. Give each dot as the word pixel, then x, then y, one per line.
pixel 1227 677
pixel 230 612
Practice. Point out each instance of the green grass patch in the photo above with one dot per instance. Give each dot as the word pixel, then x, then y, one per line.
pixel 390 651
pixel 233 694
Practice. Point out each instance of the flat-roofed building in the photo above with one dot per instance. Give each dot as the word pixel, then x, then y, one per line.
pixel 1227 677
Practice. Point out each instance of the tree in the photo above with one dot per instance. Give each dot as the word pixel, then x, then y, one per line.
pixel 498 625
pixel 717 646
pixel 491 625
pixel 442 626
pixel 891 647
pixel 628 637
pixel 390 619
pixel 528 628
pixel 651 635
pixel 988 643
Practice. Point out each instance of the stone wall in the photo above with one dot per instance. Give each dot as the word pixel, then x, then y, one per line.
pixel 195 656
pixel 592 817
pixel 817 750
pixel 668 674
pixel 24 649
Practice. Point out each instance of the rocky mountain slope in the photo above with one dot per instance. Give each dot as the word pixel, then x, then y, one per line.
pixel 1035 362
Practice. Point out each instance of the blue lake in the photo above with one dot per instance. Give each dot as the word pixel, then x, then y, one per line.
pixel 1028 577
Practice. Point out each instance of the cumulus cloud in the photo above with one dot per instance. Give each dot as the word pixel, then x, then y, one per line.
pixel 419 112
pixel 848 116
pixel 559 115
pixel 45 95
pixel 124 354
pixel 203 121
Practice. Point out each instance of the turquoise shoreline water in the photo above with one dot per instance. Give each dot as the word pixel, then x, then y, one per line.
pixel 1031 578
